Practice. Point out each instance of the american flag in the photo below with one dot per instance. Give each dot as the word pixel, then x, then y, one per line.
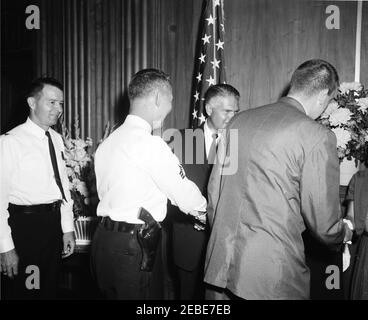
pixel 209 64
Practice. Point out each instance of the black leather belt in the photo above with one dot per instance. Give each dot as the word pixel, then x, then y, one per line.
pixel 35 209
pixel 119 226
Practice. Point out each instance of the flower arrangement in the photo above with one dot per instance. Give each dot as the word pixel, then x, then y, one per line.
pixel 79 161
pixel 347 117
pixel 80 171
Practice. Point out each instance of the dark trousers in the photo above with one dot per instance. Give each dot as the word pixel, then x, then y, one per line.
pixel 115 262
pixel 191 285
pixel 318 258
pixel 38 242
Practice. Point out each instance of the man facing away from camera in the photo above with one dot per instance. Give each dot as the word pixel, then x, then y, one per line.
pixel 287 180
pixel 189 244
pixel 36 217
pixel 137 171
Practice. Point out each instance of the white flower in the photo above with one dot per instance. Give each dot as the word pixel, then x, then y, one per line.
pixel 332 106
pixel 340 116
pixel 341 152
pixel 343 137
pixel 345 87
pixel 80 144
pixel 363 104
pixel 82 188
pixel 70 172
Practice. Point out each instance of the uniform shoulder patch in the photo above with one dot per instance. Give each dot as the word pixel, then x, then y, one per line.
pixel 181 172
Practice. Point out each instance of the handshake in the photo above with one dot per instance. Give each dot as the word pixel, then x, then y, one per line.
pixel 200 219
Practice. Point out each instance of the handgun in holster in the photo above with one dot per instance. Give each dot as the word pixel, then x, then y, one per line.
pixel 148 238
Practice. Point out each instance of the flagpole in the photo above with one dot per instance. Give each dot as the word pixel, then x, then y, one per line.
pixel 214 37
pixel 358 40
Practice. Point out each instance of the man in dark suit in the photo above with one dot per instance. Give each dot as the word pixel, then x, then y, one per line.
pixel 198 150
pixel 287 180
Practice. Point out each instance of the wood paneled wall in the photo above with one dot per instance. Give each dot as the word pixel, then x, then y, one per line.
pixel 94 47
pixel 267 39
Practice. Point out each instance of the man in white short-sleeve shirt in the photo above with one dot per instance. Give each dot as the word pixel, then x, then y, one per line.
pixel 134 170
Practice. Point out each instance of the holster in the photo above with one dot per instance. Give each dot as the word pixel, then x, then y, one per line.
pixel 148 238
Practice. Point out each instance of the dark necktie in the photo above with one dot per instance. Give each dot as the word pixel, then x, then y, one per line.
pixel 54 164
pixel 213 149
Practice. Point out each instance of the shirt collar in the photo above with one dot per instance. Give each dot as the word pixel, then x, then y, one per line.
pixel 139 122
pixel 207 130
pixel 35 129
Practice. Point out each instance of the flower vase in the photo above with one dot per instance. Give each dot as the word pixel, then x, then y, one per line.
pixel 84 229
pixel 347 170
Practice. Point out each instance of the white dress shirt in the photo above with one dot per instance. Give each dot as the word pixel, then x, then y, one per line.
pixel 27 176
pixel 136 169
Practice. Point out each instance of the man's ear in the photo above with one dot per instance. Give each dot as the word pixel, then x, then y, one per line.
pixel 31 102
pixel 157 98
pixel 208 108
pixel 322 96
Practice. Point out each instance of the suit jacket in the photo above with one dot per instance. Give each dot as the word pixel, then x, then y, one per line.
pixel 188 243
pixel 287 179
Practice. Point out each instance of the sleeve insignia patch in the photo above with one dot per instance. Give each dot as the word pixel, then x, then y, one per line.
pixel 182 172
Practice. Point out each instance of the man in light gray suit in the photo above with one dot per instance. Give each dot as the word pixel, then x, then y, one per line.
pixel 287 180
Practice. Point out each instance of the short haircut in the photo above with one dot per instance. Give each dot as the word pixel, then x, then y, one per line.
pixel 146 81
pixel 38 84
pixel 222 90
pixel 313 76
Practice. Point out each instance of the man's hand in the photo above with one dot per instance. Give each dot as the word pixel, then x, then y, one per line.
pixel 201 217
pixel 9 263
pixel 69 244
pixel 348 226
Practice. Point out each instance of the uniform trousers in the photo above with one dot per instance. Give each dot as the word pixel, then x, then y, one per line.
pixel 115 262
pixel 191 285
pixel 37 238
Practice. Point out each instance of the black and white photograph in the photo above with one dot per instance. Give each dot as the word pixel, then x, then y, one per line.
pixel 197 153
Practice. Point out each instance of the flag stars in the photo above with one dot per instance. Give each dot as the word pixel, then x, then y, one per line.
pixel 211 20
pixel 196 96
pixel 220 45
pixel 199 77
pixel 217 3
pixel 202 118
pixel 211 81
pixel 215 63
pixel 206 39
pixel 195 114
pixel 201 58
